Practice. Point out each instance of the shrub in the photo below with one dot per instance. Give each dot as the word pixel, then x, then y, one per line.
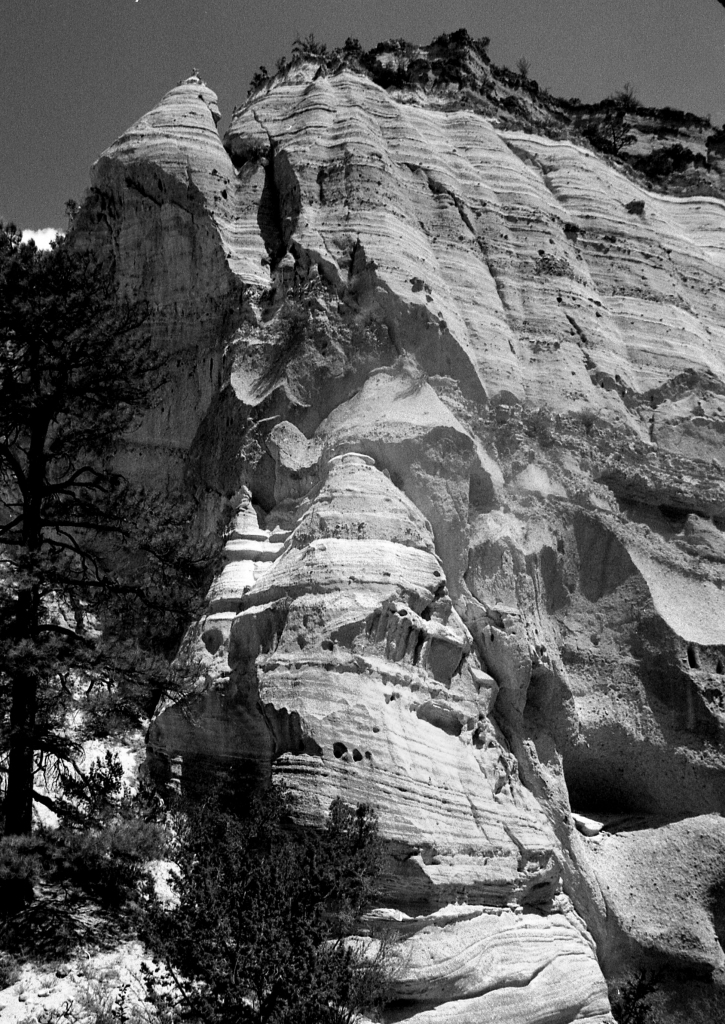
pixel 109 862
pixel 631 1000
pixel 667 160
pixel 293 327
pixel 9 970
pixel 93 792
pixel 259 78
pixel 626 98
pixel 540 425
pixel 20 865
pixel 588 419
pixel 461 39
pixel 45 929
pixel 258 933
pixel 104 858
pixel 308 47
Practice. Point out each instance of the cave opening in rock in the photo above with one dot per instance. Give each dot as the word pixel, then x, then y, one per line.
pixel 676 517
pixel 481 494
pixel 212 638
pixel 598 786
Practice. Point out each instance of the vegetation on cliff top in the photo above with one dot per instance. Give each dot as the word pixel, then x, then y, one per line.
pixel 669 150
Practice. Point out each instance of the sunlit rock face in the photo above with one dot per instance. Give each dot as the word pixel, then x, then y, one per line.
pixel 149 208
pixel 465 399
pixel 352 672
pixel 472 964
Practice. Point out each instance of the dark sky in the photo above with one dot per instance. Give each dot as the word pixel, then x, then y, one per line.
pixel 75 74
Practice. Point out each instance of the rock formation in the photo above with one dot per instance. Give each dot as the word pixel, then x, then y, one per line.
pixel 462 388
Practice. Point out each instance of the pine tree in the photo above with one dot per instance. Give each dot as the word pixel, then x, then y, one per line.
pixel 76 370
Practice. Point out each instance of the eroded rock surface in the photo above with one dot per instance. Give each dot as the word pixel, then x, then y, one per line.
pixel 463 388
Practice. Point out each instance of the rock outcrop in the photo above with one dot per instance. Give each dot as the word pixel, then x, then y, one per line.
pixel 463 386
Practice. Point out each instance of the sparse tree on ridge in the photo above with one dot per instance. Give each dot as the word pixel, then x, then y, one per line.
pixel 610 130
pixel 308 47
pixel 626 99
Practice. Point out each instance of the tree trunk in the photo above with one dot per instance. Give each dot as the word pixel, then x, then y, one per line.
pixel 18 805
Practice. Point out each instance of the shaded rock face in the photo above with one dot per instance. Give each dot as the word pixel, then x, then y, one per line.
pixel 466 398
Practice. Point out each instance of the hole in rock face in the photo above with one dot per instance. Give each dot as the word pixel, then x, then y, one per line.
pixel 720 667
pixel 302 641
pixel 544 698
pixel 289 733
pixel 212 639
pixel 692 657
pixel 481 495
pixel 311 746
pixel 676 517
pixel 397 480
pixel 606 776
pixel 604 563
pixel 339 749
pixel 555 590
pixel 327 645
pixel 356 755
pixel 602 796
pixel 368 755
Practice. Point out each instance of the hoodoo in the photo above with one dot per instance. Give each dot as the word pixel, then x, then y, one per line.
pixel 457 378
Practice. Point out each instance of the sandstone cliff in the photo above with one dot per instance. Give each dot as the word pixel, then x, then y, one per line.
pixel 463 387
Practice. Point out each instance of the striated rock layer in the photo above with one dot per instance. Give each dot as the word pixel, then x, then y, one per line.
pixel 463 390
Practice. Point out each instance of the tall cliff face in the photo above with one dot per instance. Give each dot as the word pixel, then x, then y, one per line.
pixel 159 205
pixel 464 386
